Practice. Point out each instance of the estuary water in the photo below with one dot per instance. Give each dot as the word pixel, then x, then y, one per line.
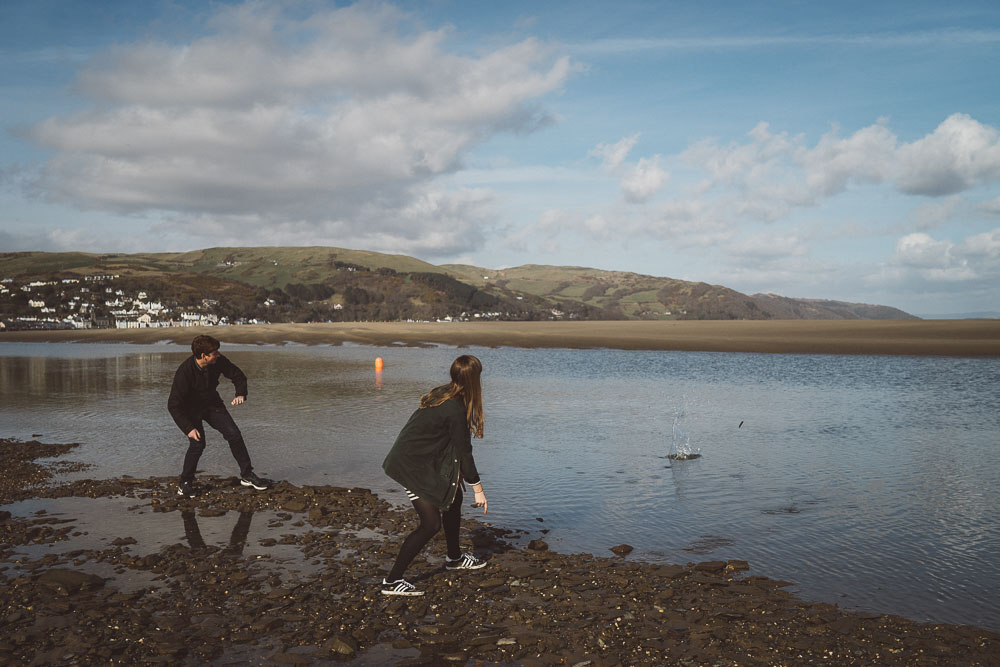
pixel 872 482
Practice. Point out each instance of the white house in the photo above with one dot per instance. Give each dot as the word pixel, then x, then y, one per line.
pixel 196 319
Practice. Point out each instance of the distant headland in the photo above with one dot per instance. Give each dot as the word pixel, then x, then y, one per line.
pixel 325 284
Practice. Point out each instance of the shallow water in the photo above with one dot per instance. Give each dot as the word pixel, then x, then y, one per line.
pixel 867 481
pixel 97 522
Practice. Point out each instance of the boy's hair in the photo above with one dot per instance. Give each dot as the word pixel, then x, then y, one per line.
pixel 465 372
pixel 203 345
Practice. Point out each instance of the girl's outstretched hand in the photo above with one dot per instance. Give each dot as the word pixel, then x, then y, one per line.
pixel 480 500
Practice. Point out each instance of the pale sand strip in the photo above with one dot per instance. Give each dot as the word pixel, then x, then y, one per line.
pixel 972 338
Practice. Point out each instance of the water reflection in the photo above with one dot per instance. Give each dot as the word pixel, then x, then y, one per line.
pixel 44 377
pixel 237 540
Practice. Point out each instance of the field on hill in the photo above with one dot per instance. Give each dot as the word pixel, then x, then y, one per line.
pixel 323 283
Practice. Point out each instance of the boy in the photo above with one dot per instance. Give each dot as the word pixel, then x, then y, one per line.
pixel 194 400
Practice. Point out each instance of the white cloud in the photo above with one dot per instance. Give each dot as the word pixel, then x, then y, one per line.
pixel 960 154
pixel 613 155
pixel 644 180
pixel 943 271
pixel 599 225
pixel 864 157
pixel 921 251
pixel 985 246
pixel 919 259
pixel 332 127
pixel 769 174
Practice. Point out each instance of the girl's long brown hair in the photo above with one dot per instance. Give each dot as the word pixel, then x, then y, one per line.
pixel 465 372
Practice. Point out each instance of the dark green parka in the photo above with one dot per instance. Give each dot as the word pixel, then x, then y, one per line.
pixel 433 453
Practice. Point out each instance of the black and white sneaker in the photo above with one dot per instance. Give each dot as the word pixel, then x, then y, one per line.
pixel 399 587
pixel 464 562
pixel 256 482
pixel 186 489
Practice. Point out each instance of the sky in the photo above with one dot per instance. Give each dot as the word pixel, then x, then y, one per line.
pixel 841 150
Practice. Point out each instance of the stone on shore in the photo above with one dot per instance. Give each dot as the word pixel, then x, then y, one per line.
pixel 148 601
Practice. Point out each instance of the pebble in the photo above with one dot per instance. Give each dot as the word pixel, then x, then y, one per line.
pixel 530 606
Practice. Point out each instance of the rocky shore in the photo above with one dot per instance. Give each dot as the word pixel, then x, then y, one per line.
pixel 119 571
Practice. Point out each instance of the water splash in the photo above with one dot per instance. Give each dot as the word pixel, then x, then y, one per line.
pixel 680 441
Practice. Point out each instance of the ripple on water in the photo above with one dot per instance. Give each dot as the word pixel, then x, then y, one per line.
pixel 868 481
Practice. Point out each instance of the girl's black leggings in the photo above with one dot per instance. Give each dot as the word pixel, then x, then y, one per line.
pixel 431 521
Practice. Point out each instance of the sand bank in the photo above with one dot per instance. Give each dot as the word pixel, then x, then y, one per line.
pixel 971 338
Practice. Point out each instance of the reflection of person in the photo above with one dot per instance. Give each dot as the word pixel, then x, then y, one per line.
pixel 237 540
pixel 194 400
pixel 432 459
pixel 191 530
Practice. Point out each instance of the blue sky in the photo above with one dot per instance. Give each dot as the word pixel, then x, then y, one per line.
pixel 825 150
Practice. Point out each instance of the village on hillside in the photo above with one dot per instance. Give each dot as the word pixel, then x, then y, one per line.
pixel 100 301
pixel 94 302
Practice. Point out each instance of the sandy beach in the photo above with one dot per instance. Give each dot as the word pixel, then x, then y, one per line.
pixel 289 576
pixel 969 338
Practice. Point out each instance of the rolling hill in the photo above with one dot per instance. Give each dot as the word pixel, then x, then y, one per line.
pixel 308 281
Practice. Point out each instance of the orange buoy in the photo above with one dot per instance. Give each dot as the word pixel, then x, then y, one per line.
pixel 378 363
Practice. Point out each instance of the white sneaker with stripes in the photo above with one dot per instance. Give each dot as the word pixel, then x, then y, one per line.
pixel 399 587
pixel 464 562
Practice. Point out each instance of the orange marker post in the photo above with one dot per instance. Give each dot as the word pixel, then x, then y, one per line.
pixel 378 363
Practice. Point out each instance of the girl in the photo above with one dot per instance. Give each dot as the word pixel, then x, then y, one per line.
pixel 432 459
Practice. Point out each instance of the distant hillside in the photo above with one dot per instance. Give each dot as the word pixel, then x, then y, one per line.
pixel 306 283
pixel 783 308
pixel 626 295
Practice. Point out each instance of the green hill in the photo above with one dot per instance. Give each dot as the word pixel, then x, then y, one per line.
pixel 306 283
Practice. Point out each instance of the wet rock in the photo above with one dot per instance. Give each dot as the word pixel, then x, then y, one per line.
pixel 737 566
pixel 538 545
pixel 215 605
pixel 294 505
pixel 711 566
pixel 342 645
pixel 69 582
pixel 622 549
pixel 492 582
pixel 524 570
pixel 267 624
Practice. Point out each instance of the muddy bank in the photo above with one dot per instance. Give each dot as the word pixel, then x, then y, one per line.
pixel 969 338
pixel 289 576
